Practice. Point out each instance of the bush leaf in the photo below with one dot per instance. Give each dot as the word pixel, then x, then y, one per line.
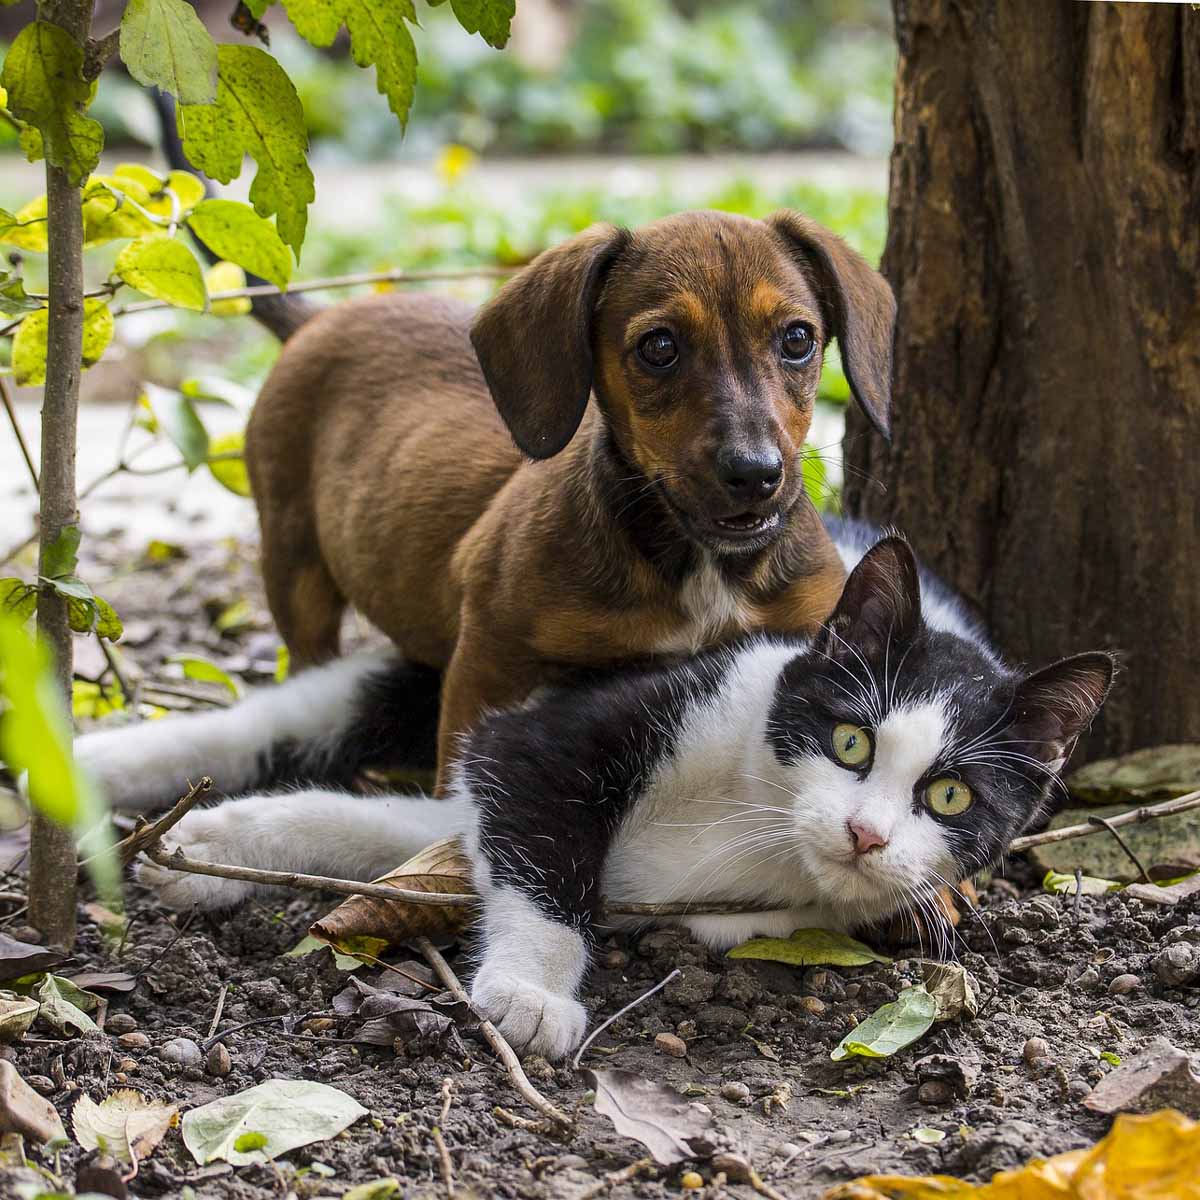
pixel 203 671
pixel 43 75
pixel 492 19
pixel 29 344
pixel 230 473
pixel 1089 885
pixel 289 1113
pixel 164 44
pixel 890 1028
pixel 163 268
pixel 257 112
pixel 235 232
pixel 17 598
pixel 810 948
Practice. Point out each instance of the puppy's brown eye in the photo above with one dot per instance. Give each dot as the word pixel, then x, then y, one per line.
pixel 798 342
pixel 658 349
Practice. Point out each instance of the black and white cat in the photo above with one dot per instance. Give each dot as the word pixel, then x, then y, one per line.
pixel 835 780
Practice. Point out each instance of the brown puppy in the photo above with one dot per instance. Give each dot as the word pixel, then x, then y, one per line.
pixel 667 515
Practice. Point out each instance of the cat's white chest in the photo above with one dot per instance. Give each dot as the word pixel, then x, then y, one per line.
pixel 712 608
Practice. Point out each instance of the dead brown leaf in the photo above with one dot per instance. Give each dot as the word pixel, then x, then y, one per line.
pixel 23 1111
pixel 442 868
pixel 672 1128
pixel 125 1124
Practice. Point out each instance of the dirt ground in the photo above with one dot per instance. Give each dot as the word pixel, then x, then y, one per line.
pixel 758 1035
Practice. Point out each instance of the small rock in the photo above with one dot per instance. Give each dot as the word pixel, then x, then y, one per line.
pixel 668 1043
pixel 319 1025
pixel 812 1005
pixel 42 1083
pixel 935 1092
pixel 687 1029
pixel 182 1052
pixel 734 1167
pixel 616 960
pixel 1089 978
pixel 692 1181
pixel 120 1023
pixel 1035 1049
pixel 217 1061
pixel 957 1074
pixel 27 933
pixel 1077 1089
pixel 571 1162
pixel 1123 984
pixel 838 1136
pixel 722 1016
pixel 1177 963
pixel 127 1065
pixel 134 1041
pixel 735 1092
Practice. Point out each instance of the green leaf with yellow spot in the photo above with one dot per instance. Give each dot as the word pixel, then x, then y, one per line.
pixel 164 44
pixel 29 344
pixel 225 276
pixel 17 598
pixel 235 232
pixel 204 671
pixel 43 75
pixel 890 1028
pixel 163 268
pixel 26 228
pixel 227 464
pixel 257 112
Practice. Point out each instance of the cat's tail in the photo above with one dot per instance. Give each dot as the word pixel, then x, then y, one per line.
pixel 321 727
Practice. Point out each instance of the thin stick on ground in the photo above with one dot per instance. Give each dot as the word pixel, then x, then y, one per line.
pixel 658 987
pixel 1135 816
pixel 447 1099
pixel 220 1010
pixel 616 1178
pixel 494 1037
pixel 146 834
pixel 444 1163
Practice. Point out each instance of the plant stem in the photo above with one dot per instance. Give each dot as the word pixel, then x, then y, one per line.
pixel 52 846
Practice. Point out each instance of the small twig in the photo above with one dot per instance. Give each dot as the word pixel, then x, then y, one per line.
pixel 1134 817
pixel 98 51
pixel 6 397
pixel 658 987
pixel 513 1121
pixel 212 1028
pixel 616 1178
pixel 447 1099
pixel 1105 823
pixel 146 834
pixel 210 1041
pixel 447 1167
pixel 114 667
pixel 1078 894
pixel 495 1039
pixel 358 279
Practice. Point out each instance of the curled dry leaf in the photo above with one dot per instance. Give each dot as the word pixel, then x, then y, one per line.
pixel 1160 1076
pixel 126 1124
pixel 953 988
pixel 441 868
pixel 671 1128
pixel 16 1015
pixel 387 1015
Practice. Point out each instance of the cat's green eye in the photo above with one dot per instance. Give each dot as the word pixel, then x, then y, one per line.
pixel 851 744
pixel 948 797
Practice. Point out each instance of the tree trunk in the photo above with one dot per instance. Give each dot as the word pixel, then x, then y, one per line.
pixel 52 861
pixel 1044 244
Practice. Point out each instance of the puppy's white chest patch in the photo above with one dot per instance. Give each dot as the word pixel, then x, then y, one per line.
pixel 712 608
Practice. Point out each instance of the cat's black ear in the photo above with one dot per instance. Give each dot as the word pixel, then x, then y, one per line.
pixel 1053 706
pixel 880 604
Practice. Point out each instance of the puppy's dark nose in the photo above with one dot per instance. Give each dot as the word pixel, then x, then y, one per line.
pixel 751 476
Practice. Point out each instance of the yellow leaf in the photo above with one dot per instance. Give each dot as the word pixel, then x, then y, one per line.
pixel 29 232
pixel 29 344
pixel 227 277
pixel 454 162
pixel 1154 1157
pixel 229 472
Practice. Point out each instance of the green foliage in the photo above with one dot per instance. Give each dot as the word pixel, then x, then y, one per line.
pixel 239 235
pixel 204 671
pixel 178 419
pixel 18 599
pixel 164 44
pixel 257 112
pixel 890 1028
pixel 43 75
pixel 29 344
pixel 165 269
pixel 13 300
pixel 810 947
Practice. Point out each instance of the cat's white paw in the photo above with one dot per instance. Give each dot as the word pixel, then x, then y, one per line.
pixel 532 1018
pixel 209 835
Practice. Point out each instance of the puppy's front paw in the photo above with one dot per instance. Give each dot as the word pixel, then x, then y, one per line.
pixel 532 1018
pixel 207 835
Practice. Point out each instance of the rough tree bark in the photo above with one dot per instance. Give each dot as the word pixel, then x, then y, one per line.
pixel 52 862
pixel 1044 244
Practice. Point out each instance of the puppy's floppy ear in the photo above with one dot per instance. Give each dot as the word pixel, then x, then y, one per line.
pixel 880 604
pixel 859 307
pixel 1053 706
pixel 533 340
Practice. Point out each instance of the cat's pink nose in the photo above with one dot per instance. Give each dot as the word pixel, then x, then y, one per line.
pixel 864 838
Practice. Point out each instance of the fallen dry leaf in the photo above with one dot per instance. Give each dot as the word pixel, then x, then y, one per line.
pixel 1160 1076
pixel 23 958
pixel 103 981
pixel 441 868
pixel 16 1015
pixel 671 1128
pixel 953 988
pixel 23 1111
pixel 387 1015
pixel 126 1124
pixel 1154 1157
